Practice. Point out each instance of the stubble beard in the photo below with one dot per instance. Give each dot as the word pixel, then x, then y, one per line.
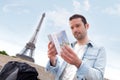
pixel 79 36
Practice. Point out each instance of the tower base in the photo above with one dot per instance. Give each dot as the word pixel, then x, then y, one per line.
pixel 25 57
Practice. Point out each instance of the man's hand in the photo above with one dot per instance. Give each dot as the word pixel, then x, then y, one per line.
pixel 70 56
pixel 52 53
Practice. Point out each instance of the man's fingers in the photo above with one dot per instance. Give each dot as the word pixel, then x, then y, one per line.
pixel 49 44
pixel 65 57
pixel 52 51
pixel 68 48
pixel 66 52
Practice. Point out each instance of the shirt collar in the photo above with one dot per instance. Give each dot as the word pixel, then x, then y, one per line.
pixel 90 43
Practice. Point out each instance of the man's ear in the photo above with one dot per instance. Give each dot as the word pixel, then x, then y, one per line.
pixel 86 26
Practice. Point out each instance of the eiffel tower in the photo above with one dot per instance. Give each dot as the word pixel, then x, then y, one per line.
pixel 30 46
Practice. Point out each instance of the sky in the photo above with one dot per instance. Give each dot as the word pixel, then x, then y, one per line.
pixel 19 19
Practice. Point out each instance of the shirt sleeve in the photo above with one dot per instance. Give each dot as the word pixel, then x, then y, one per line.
pixel 53 69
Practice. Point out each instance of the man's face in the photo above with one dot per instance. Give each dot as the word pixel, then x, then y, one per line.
pixel 79 29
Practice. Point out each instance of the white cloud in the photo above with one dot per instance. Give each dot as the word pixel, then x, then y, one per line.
pixel 86 5
pixel 76 6
pixel 115 10
pixel 15 8
pixel 59 17
pixel 79 7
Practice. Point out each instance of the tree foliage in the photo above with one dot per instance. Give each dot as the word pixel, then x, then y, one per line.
pixel 3 52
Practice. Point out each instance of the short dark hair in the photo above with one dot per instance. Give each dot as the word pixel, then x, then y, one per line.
pixel 78 16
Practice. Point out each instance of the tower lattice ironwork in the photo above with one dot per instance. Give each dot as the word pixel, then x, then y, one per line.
pixel 30 46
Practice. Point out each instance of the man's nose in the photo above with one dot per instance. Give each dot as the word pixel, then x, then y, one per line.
pixel 75 29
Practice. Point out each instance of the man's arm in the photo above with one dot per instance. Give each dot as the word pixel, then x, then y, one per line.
pixel 97 71
pixel 85 71
pixel 51 68
pixel 53 63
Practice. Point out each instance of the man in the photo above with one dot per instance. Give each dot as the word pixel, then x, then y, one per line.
pixel 85 61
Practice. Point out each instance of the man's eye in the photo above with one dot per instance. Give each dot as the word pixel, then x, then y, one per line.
pixel 77 25
pixel 71 27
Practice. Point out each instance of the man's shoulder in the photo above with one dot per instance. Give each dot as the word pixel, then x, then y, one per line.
pixel 95 49
pixel 94 45
pixel 90 44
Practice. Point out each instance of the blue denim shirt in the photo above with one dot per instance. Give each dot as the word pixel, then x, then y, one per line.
pixel 92 67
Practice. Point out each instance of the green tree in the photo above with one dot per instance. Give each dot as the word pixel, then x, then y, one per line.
pixel 4 53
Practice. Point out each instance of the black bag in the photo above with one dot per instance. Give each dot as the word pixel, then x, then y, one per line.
pixel 14 70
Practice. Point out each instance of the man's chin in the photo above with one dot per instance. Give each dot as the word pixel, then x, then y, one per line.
pixel 78 38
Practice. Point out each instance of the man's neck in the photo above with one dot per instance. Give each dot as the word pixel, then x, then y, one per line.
pixel 83 41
